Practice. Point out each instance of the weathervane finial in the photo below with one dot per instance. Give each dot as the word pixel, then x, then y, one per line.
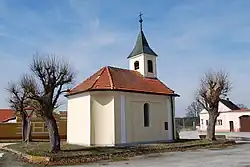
pixel 140 20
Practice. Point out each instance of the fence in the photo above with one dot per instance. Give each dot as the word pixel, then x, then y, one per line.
pixel 186 123
pixel 10 131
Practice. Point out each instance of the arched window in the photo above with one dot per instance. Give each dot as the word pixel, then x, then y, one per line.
pixel 146 114
pixel 136 65
pixel 150 66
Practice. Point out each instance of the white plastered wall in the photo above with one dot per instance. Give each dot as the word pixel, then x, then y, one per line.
pixel 78 119
pixel 143 66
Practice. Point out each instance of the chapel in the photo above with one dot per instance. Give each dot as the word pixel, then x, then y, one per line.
pixel 116 106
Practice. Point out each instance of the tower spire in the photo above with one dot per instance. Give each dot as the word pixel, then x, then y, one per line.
pixel 141 45
pixel 140 20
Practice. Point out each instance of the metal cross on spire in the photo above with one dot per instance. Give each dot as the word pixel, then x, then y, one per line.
pixel 140 20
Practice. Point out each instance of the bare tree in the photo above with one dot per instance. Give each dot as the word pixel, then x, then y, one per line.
pixel 242 106
pixel 194 109
pixel 213 87
pixel 18 101
pixel 48 81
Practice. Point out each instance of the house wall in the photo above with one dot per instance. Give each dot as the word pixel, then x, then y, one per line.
pixel 79 119
pixel 158 114
pixel 8 131
pixel 225 117
pixel 38 129
pixel 63 129
pixel 221 108
pixel 102 119
pixel 10 121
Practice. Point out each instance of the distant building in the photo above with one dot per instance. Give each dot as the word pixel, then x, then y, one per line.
pixel 231 118
pixel 11 125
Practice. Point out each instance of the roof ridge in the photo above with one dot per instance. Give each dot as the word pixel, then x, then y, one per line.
pixel 229 104
pixel 115 67
pixel 97 78
pixel 110 78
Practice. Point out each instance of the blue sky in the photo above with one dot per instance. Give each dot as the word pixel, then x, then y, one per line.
pixel 190 37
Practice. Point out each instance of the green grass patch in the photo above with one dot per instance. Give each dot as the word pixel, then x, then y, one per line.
pixel 69 150
pixel 75 154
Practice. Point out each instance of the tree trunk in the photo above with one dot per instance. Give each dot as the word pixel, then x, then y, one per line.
pixel 24 128
pixel 53 133
pixel 28 130
pixel 211 125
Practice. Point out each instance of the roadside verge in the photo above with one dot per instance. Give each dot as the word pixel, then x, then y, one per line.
pixel 38 152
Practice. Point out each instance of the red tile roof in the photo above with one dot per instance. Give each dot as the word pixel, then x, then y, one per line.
pixel 117 79
pixel 6 114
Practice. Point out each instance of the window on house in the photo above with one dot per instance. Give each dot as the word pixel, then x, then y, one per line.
pixel 136 65
pixel 202 121
pixel 166 125
pixel 146 114
pixel 150 66
pixel 206 122
pixel 219 122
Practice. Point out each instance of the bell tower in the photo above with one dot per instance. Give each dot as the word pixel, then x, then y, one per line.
pixel 143 58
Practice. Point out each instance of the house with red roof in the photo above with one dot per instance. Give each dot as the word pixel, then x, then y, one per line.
pixel 116 106
pixel 7 116
pixel 231 118
pixel 11 124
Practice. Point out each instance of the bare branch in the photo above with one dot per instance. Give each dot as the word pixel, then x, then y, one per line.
pixel 194 109
pixel 28 83
pixel 18 98
pixel 51 75
pixel 213 87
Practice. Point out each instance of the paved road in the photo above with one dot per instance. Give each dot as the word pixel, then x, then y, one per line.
pixel 9 160
pixel 230 157
pixel 195 134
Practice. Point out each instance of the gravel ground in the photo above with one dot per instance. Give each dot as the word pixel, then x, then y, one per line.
pixel 230 157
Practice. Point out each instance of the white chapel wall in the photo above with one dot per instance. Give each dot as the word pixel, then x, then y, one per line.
pixel 78 119
pixel 102 119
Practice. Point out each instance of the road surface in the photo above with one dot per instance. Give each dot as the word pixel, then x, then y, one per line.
pixel 237 156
